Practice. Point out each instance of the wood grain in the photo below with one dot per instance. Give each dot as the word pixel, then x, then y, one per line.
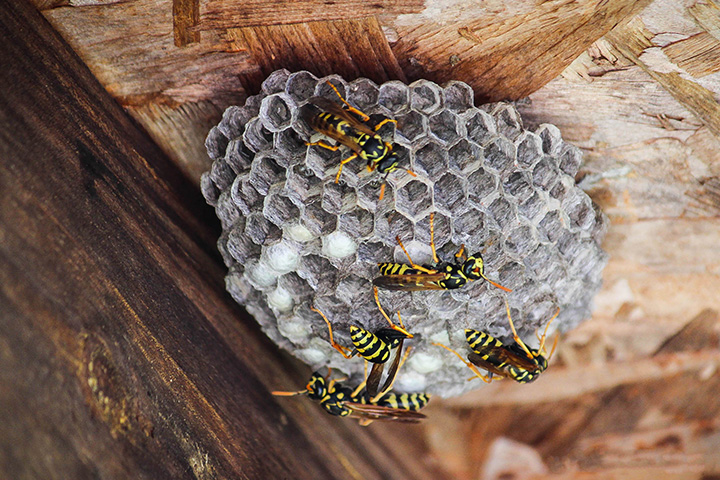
pixel 505 55
pixel 633 38
pixel 699 54
pixel 121 354
pixel 221 14
pixel 352 48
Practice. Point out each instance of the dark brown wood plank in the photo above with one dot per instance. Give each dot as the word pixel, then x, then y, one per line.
pixel 218 14
pixel 121 356
pixel 351 48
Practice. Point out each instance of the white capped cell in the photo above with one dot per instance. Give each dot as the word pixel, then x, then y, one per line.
pixel 280 299
pixel 409 381
pixel 282 258
pixel 425 363
pixel 338 245
pixel 262 275
pixel 299 233
pixel 311 355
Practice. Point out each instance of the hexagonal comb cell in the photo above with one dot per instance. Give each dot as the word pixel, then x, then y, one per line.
pixel 432 159
pixel 464 156
pixel 411 126
pixel 459 96
pixel 413 198
pixel 444 127
pixel 425 97
pixel 293 238
pixel 450 194
pixel 276 111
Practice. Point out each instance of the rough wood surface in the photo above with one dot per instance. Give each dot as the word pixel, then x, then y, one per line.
pixel 504 50
pixel 121 356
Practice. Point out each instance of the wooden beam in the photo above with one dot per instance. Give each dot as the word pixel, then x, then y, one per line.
pixel 221 14
pixel 121 355
pixel 351 48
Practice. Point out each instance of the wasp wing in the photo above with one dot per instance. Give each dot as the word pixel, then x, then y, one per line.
pixel 491 367
pixel 394 367
pixel 414 282
pixel 377 412
pixel 337 110
pixel 311 115
pixel 373 381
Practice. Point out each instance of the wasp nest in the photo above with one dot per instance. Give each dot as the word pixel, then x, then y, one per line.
pixel 293 238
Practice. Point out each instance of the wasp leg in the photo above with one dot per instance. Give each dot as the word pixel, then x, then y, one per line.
pixel 387 120
pixel 461 254
pixel 337 177
pixel 331 383
pixel 485 378
pixel 359 388
pixel 515 335
pixel 362 115
pixel 413 264
pixel 380 395
pixel 322 144
pixel 432 238
pixel 337 347
pixel 392 325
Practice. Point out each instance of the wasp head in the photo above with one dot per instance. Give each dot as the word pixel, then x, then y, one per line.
pixel 473 268
pixel 316 387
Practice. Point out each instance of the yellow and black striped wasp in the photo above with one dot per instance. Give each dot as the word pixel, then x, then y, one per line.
pixel 440 276
pixel 515 361
pixel 339 400
pixel 347 125
pixel 375 348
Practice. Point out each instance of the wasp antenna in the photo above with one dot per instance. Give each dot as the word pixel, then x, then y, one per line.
pixel 496 285
pixel 544 335
pixel 288 394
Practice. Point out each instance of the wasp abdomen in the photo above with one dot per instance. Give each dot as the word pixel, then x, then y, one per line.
pixel 369 346
pixel 480 341
pixel 405 401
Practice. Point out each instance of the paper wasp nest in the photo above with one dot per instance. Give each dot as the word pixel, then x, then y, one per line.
pixel 292 238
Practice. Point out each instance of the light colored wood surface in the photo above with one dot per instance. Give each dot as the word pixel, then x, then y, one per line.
pixel 636 89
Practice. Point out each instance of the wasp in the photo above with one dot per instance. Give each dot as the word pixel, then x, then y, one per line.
pixel 340 400
pixel 515 361
pixel 348 126
pixel 375 347
pixel 440 276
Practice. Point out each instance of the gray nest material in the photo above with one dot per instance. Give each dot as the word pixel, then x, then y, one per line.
pixel 292 238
